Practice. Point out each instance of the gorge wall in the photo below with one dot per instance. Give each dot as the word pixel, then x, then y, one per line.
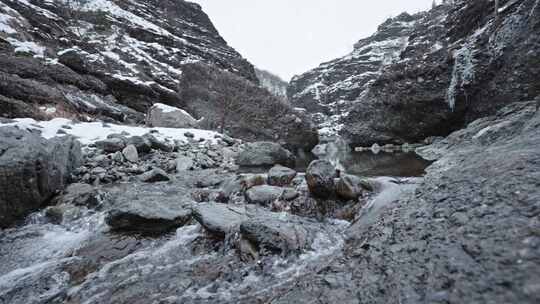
pixel 427 74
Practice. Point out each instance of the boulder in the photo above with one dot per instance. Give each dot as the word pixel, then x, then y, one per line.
pixel 155 175
pixel 271 232
pixel 148 213
pixel 219 219
pixel 263 195
pixel 32 170
pixel 161 115
pixel 350 187
pixel 143 144
pixel 131 154
pixel 81 195
pixel 239 184
pixel 184 163
pixel 111 145
pixel 320 178
pixel 280 176
pixel 157 144
pixel 262 154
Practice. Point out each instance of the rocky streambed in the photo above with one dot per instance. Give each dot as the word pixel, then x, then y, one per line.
pixel 150 220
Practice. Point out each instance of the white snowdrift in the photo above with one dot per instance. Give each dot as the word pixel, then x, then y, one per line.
pixel 91 132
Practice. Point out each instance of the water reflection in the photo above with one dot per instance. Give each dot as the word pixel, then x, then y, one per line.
pixel 366 163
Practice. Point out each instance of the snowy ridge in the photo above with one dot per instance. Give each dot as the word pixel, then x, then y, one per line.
pixel 137 50
pixel 329 90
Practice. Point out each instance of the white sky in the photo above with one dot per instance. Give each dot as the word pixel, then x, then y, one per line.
pixel 289 37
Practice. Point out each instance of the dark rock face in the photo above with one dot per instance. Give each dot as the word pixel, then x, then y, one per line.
pixel 456 64
pixel 260 154
pixel 320 178
pixel 484 66
pixel 32 170
pixel 329 91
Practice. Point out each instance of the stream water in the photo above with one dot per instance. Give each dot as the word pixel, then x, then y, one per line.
pixel 366 163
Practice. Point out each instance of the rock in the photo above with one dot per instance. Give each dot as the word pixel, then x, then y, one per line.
pixel 154 175
pixel 148 212
pixel 32 170
pixel 189 135
pixel 184 163
pixel 350 187
pixel 270 232
pixel 158 144
pixel 111 145
pixel 260 154
pixel 220 219
pixel 204 161
pixel 239 184
pixel 320 178
pixel 280 176
pixel 81 195
pixel 118 157
pixel 263 195
pixel 63 213
pixel 130 153
pixel 161 115
pixel 142 144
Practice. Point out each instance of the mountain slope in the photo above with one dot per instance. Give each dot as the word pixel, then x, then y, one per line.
pixel 272 83
pixel 456 63
pixel 107 59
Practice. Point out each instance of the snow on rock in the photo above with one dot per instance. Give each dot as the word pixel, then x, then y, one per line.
pixel 134 50
pixel 330 90
pixel 89 133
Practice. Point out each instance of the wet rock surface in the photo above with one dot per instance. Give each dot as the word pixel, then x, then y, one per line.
pixel 320 178
pixel 32 170
pixel 444 243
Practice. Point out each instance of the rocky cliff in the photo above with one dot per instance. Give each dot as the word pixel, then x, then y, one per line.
pixel 105 59
pixel 456 63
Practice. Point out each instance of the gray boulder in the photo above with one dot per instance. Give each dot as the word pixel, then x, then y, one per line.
pixel 165 116
pixel 219 219
pixel 280 176
pixel 260 154
pixel 350 187
pixel 143 144
pixel 80 195
pixel 320 178
pixel 157 144
pixel 263 195
pixel 148 212
pixel 155 175
pixel 184 163
pixel 111 145
pixel 271 232
pixel 131 154
pixel 32 170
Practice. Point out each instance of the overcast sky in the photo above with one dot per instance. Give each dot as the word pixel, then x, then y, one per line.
pixel 289 37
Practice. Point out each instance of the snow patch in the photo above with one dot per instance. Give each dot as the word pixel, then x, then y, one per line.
pixel 89 133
